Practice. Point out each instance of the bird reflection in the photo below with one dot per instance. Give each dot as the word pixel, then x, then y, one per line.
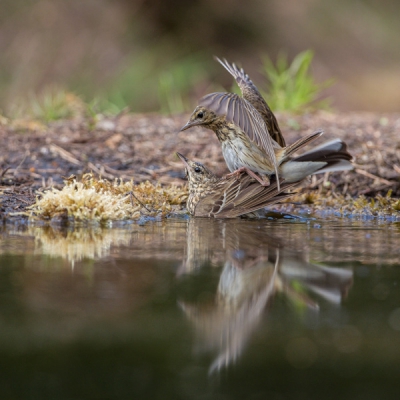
pixel 255 267
pixel 200 245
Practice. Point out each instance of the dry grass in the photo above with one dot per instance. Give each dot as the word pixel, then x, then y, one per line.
pixel 100 201
pixel 331 203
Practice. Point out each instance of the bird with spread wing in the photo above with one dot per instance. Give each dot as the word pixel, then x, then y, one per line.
pixel 252 141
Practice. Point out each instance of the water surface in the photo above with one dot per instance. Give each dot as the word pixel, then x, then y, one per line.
pixel 201 309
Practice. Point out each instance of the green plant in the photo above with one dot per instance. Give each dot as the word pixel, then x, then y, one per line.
pixel 291 87
pixel 54 104
pixel 50 105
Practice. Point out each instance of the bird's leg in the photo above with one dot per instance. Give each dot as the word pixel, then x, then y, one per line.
pixel 236 173
pixel 263 182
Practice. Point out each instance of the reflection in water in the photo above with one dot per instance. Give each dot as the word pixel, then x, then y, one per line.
pixel 123 321
pixel 96 243
pixel 255 261
pixel 73 245
pixel 256 267
pixel 120 323
pixel 253 267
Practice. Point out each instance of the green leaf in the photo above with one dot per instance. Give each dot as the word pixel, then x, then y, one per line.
pixel 291 87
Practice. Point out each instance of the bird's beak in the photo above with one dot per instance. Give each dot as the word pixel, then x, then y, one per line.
pixel 183 159
pixel 188 125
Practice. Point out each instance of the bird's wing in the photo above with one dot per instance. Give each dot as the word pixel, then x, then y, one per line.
pixel 288 151
pixel 240 112
pixel 234 197
pixel 255 197
pixel 253 96
pixel 223 197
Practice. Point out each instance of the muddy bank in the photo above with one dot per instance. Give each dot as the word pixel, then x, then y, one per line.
pixel 35 157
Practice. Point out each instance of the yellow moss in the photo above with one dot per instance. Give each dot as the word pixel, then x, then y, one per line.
pixel 100 200
pixel 75 245
pixel 396 205
pixel 385 205
pixel 361 202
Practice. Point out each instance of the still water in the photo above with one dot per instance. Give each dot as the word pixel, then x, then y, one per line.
pixel 201 309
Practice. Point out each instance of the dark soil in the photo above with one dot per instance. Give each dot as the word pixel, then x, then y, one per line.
pixel 142 147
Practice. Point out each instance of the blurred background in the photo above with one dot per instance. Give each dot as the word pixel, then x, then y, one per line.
pixel 149 54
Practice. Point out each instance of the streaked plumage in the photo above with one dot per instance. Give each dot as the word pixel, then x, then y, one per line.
pixel 246 143
pixel 241 131
pixel 210 196
pixel 253 96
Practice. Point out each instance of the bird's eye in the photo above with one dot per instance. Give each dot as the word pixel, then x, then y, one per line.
pixel 197 170
pixel 200 114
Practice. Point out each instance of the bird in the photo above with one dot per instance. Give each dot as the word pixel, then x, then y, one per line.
pixel 252 95
pixel 228 197
pixel 255 265
pixel 248 146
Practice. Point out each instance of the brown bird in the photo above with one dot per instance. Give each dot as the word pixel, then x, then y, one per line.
pixel 228 197
pixel 247 144
pixel 252 95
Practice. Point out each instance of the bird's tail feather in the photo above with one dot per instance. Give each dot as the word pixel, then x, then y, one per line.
pixel 328 157
pixel 334 153
pixel 332 149
pixel 297 145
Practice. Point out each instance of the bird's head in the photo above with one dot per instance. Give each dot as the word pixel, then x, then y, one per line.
pixel 200 116
pixel 197 173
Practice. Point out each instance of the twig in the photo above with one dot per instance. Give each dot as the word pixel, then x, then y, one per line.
pixel 100 172
pixel 4 171
pixel 375 177
pixel 345 187
pixel 28 172
pixel 377 189
pixel 132 195
pixel 127 174
pixel 26 155
pixel 66 155
pixel 23 200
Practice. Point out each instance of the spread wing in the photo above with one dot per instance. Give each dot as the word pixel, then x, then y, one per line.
pixel 253 96
pixel 234 197
pixel 240 112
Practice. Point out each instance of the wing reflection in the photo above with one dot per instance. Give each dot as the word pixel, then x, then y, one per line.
pixel 255 268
